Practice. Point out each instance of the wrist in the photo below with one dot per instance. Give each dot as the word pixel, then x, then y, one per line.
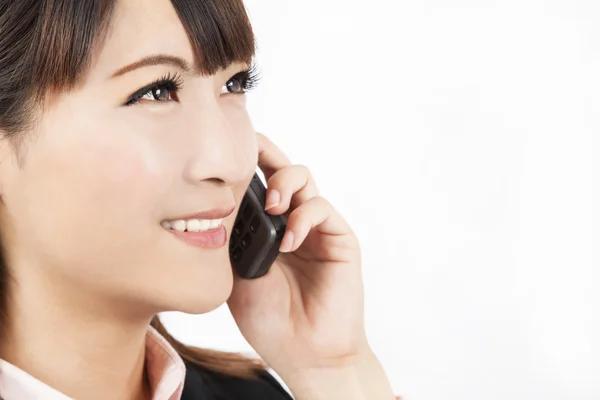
pixel 361 379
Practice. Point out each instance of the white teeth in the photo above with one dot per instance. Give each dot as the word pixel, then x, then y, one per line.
pixel 192 225
pixel 166 224
pixel 179 225
pixel 204 224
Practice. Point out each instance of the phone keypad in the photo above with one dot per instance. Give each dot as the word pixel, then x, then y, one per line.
pixel 246 240
pixel 243 230
pixel 239 228
pixel 251 227
pixel 254 224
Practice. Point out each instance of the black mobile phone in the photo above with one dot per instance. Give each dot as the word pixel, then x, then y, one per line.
pixel 256 236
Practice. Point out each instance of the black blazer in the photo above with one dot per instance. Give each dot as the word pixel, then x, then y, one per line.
pixel 201 384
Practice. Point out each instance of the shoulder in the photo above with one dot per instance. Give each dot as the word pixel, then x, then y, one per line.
pixel 202 384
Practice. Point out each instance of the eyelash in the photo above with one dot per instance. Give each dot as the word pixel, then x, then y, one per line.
pixel 174 83
pixel 249 77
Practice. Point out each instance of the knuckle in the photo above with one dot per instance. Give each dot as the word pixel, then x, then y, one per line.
pixel 277 177
pixel 320 201
pixel 302 168
pixel 304 171
pixel 296 216
pixel 293 173
pixel 308 207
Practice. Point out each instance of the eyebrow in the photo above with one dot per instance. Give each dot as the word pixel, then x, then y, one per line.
pixel 155 59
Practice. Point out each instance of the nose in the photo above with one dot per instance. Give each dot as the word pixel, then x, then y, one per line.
pixel 223 147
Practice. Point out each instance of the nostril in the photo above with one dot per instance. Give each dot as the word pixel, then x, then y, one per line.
pixel 218 181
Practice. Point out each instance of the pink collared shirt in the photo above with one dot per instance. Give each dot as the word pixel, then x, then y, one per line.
pixel 166 372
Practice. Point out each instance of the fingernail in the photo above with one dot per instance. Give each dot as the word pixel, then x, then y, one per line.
pixel 273 198
pixel 287 242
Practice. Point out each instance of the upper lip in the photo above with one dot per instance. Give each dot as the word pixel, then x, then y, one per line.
pixel 215 213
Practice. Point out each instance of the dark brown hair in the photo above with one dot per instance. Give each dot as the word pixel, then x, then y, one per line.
pixel 46 48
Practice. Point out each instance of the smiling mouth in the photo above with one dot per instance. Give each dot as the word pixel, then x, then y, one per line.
pixel 199 222
pixel 208 234
pixel 204 229
pixel 193 225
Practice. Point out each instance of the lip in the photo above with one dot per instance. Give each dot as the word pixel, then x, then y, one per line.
pixel 211 239
pixel 215 213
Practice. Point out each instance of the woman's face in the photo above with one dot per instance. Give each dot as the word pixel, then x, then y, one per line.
pixel 82 215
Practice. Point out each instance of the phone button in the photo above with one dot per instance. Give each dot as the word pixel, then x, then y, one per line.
pixel 255 224
pixel 238 229
pixel 246 240
pixel 237 254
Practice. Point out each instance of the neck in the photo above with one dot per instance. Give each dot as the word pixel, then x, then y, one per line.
pixel 80 346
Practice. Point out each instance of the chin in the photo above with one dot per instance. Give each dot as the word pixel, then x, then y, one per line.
pixel 204 296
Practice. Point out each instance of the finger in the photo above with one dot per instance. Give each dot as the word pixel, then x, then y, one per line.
pixel 270 157
pixel 289 188
pixel 315 213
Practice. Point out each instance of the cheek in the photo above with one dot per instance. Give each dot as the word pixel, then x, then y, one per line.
pixel 92 197
pixel 88 184
pixel 133 177
pixel 124 178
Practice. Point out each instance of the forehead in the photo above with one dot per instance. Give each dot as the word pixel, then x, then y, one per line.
pixel 139 28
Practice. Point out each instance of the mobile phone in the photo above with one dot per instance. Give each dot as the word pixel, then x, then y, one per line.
pixel 256 236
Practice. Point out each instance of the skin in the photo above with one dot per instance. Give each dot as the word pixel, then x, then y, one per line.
pixel 91 264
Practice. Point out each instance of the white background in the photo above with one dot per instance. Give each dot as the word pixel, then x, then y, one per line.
pixel 460 138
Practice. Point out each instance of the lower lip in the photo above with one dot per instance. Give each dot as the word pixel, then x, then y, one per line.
pixel 213 239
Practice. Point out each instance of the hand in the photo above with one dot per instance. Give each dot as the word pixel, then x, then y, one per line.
pixel 305 316
pixel 307 311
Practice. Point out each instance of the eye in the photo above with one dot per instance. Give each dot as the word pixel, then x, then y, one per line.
pixel 159 93
pixel 242 82
pixel 163 90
